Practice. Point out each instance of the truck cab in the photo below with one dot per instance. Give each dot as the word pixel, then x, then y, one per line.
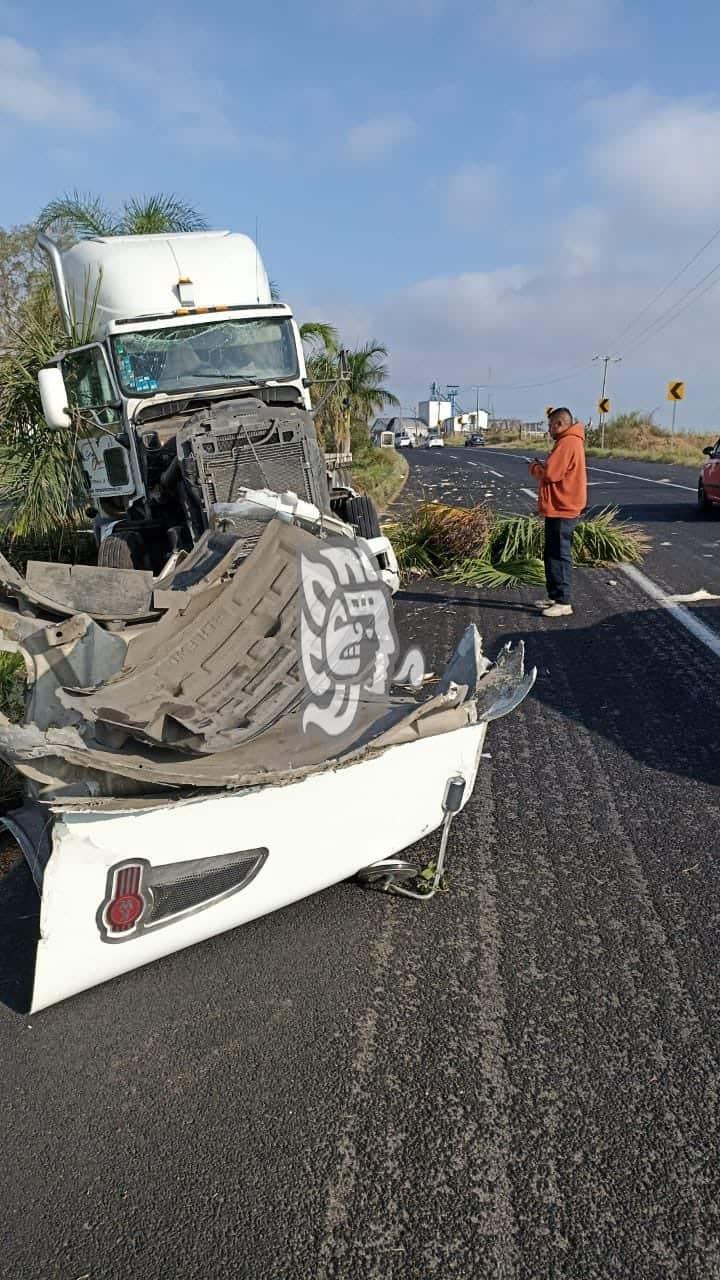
pixel 189 382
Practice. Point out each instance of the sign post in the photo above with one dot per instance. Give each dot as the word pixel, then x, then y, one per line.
pixel 603 404
pixel 675 392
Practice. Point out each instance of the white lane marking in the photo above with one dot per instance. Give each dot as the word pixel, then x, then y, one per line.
pixel 625 475
pixel 499 474
pixel 682 615
pixel 604 483
pixel 605 471
pixel 473 464
pixel 530 493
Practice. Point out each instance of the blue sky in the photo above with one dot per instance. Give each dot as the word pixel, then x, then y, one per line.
pixel 495 185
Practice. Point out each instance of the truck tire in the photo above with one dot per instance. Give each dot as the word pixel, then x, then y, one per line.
pixel 362 514
pixel 117 551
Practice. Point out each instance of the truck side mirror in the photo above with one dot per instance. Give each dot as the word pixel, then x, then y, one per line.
pixel 54 397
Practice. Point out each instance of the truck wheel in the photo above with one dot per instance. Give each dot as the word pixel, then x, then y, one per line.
pixel 117 551
pixel 362 514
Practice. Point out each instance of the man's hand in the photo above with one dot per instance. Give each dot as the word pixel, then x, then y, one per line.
pixel 537 469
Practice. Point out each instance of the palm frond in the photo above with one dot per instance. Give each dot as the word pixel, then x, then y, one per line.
pixel 496 574
pixel 153 215
pixel 318 334
pixel 517 537
pixel 477 548
pixel 79 216
pixel 42 483
pixel 606 540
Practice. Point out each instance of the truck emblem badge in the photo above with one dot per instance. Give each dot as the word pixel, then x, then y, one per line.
pixel 141 897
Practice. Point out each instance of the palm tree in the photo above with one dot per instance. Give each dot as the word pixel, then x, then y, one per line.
pixel 81 216
pixel 319 336
pixel 366 388
pixel 348 408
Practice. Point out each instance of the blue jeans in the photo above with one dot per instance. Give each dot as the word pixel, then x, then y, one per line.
pixel 558 558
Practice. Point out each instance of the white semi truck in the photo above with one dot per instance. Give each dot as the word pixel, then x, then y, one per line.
pixel 191 390
pixel 211 735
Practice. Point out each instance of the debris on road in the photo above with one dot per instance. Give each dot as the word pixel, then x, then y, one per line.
pixel 175 784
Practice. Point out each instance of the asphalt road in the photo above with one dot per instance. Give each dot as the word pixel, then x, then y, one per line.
pixel 519 1080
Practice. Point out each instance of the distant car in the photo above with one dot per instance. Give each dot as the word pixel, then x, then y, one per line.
pixel 709 482
pixel 435 442
pixel 473 440
pixel 403 442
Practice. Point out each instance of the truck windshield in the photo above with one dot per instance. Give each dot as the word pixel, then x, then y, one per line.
pixel 205 355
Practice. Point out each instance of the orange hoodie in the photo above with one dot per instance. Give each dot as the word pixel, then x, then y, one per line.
pixel 563 478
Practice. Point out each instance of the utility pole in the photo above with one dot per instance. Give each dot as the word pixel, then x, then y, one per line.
pixel 451 392
pixel 606 360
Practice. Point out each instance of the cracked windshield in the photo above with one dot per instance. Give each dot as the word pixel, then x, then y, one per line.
pixel 205 355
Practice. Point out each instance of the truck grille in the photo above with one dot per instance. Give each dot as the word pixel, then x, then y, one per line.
pixel 245 444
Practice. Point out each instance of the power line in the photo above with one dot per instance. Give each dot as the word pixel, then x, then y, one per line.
pixel 530 386
pixel 656 326
pixel 665 289
pixel 670 312
pixel 713 285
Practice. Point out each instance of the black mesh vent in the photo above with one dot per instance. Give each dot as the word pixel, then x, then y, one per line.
pixel 191 891
pixel 116 467
pixel 277 467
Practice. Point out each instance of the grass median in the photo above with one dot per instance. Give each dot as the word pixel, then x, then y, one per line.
pixel 379 473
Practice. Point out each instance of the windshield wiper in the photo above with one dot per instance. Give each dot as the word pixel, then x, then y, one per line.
pixel 228 377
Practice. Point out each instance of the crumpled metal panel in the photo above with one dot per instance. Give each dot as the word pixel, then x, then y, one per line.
pixel 108 594
pixel 210 696
pixel 65 763
pixel 221 671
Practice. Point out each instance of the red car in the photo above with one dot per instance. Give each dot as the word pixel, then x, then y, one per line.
pixel 709 482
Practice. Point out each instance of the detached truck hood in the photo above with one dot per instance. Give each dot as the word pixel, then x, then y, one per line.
pixel 202 768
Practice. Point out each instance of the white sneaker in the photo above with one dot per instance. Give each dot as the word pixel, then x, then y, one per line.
pixel 558 611
pixel 543 604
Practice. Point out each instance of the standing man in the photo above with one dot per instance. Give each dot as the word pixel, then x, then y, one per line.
pixel 562 496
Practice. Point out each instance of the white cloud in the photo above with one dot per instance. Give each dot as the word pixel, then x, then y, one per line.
pixel 375 137
pixel 203 116
pixel 31 94
pixel 558 28
pixel 197 116
pixel 472 194
pixel 583 241
pixel 533 323
pixel 663 156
